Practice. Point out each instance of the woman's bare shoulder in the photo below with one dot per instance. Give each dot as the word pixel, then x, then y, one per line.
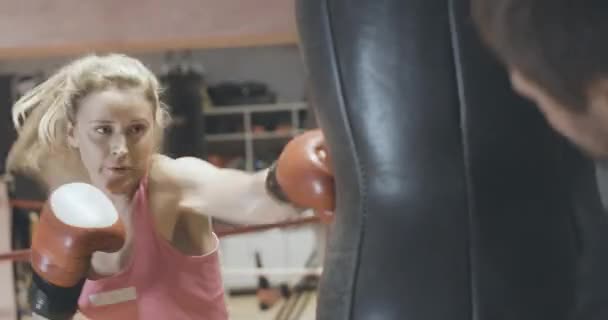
pixel 163 190
pixel 162 172
pixel 184 172
pixel 175 181
pixel 181 173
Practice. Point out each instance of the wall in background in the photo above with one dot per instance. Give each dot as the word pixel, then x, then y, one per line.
pixel 280 67
pixel 40 28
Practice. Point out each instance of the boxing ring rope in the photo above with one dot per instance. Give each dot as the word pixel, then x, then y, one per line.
pixel 272 271
pixel 16 256
pixel 23 255
pixel 26 204
pixel 292 305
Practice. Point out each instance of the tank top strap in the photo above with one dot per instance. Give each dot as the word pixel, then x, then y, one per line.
pixel 144 221
pixel 145 178
pixel 141 195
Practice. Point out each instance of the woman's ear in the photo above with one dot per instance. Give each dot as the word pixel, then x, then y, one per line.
pixel 72 139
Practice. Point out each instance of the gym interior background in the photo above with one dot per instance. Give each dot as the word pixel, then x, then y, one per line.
pixel 238 91
pixel 235 82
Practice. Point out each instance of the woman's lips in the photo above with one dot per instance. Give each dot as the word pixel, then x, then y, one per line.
pixel 119 170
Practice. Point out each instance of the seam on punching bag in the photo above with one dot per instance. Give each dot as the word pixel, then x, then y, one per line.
pixel 359 168
pixel 470 198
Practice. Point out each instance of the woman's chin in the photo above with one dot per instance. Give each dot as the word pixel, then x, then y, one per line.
pixel 123 186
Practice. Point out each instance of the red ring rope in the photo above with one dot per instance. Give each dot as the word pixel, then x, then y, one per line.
pixel 263 227
pixel 24 255
pixel 17 255
pixel 26 204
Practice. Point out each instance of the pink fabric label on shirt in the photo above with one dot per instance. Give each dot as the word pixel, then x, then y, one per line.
pixel 113 297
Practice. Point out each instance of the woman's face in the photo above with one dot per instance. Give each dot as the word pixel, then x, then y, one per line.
pixel 113 132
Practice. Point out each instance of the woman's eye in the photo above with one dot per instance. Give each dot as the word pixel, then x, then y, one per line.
pixel 103 130
pixel 137 129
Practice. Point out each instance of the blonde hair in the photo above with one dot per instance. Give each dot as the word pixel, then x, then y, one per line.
pixel 42 115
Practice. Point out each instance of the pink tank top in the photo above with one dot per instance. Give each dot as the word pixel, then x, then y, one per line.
pixel 159 282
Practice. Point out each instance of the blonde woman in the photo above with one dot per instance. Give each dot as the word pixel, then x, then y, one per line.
pixel 98 121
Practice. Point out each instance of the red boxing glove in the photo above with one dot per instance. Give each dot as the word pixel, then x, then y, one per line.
pixel 76 221
pixel 304 174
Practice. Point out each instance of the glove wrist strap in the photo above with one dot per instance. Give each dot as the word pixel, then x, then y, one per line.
pixel 272 185
pixel 54 302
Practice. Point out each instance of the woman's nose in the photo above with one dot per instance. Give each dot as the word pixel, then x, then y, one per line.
pixel 119 146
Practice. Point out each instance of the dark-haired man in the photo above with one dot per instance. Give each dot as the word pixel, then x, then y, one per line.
pixel 557 55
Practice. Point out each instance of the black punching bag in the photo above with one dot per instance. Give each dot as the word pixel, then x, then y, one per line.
pixel 455 200
pixel 184 97
pixel 7 130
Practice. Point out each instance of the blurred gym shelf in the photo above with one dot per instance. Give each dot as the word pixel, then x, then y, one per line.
pixel 249 142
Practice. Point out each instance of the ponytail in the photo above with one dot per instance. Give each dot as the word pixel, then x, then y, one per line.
pixel 41 118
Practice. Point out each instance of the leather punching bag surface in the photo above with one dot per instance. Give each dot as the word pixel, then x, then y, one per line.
pixel 455 200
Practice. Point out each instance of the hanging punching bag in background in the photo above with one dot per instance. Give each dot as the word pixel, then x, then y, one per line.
pixel 183 95
pixel 7 131
pixel 455 200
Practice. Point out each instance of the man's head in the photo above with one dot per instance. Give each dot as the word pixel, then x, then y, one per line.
pixel 557 55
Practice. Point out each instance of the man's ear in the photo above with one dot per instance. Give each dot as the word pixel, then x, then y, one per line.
pixel 71 135
pixel 598 95
pixel 532 91
pixel 523 86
